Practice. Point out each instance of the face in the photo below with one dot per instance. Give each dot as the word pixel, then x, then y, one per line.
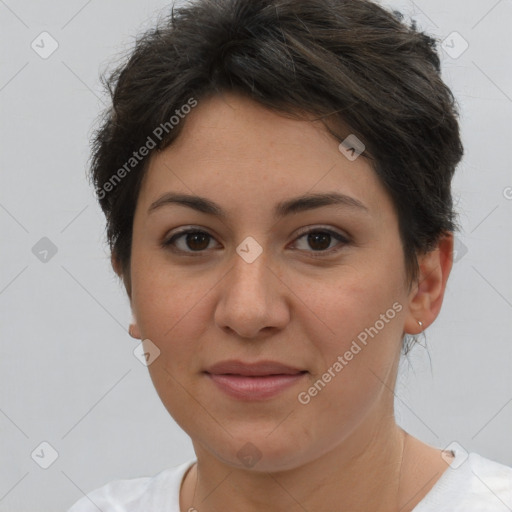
pixel 320 288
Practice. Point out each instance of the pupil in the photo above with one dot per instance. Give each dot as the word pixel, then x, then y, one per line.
pixel 313 238
pixel 192 238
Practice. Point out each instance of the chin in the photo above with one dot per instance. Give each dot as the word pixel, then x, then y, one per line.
pixel 256 450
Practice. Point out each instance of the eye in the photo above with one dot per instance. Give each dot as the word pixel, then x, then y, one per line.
pixel 195 240
pixel 319 239
pixel 190 241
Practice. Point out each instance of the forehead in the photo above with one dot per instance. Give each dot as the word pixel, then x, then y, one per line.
pixel 236 152
pixel 230 126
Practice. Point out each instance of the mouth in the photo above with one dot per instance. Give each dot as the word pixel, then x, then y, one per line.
pixel 253 381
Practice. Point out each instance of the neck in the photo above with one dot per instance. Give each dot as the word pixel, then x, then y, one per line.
pixel 357 475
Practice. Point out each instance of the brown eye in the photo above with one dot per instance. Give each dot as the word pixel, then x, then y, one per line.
pixel 196 240
pixel 319 240
pixel 191 240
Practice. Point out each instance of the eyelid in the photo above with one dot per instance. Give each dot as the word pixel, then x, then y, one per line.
pixel 342 238
pixel 168 241
pixel 319 227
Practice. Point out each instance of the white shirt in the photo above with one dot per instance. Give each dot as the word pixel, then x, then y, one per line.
pixel 472 484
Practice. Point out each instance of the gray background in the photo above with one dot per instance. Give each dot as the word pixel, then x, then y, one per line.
pixel 68 375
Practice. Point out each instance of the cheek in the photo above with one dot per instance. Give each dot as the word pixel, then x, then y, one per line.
pixel 356 305
pixel 172 315
pixel 170 310
pixel 161 295
pixel 358 343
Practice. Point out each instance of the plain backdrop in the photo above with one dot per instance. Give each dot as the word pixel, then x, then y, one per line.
pixel 68 375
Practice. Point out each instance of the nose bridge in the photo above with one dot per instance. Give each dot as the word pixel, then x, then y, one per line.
pixel 250 267
pixel 247 303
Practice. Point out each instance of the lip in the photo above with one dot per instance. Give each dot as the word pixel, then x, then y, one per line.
pixel 253 381
pixel 259 369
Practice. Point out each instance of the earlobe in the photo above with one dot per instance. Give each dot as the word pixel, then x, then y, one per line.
pixel 134 331
pixel 426 297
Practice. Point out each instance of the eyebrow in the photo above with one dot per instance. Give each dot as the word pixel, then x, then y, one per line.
pixel 290 206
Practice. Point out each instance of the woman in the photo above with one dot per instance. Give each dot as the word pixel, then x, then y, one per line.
pixel 276 181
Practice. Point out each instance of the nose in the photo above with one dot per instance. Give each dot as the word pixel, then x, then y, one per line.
pixel 253 298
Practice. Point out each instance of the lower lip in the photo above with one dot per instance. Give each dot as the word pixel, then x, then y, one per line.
pixel 255 388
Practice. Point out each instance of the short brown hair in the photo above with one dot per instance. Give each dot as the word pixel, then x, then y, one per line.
pixel 350 63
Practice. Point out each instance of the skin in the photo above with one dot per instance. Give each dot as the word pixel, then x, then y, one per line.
pixel 291 304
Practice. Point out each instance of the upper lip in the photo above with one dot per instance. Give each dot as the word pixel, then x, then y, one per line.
pixel 260 368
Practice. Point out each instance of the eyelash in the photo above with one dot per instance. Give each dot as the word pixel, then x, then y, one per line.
pixel 169 244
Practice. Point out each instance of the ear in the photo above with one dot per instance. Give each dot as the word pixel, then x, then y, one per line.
pixel 426 296
pixel 116 265
pixel 133 330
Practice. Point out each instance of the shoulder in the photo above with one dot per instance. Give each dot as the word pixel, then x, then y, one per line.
pixel 472 484
pixel 158 492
